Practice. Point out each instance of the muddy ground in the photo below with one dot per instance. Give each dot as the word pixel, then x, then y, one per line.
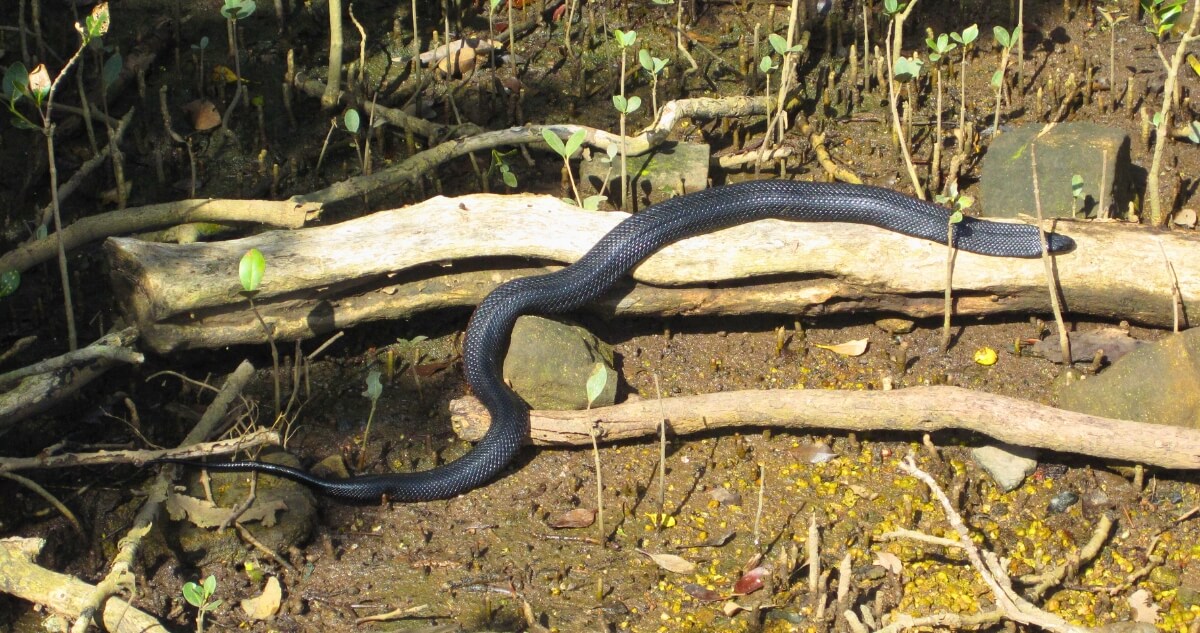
pixel 478 561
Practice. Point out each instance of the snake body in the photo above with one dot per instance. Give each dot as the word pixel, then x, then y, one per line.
pixel 630 242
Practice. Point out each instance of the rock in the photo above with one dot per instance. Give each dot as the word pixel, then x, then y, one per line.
pixel 548 364
pixel 1099 154
pixel 292 525
pixel 1114 342
pixel 672 169
pixel 1008 465
pixel 895 326
pixel 1158 383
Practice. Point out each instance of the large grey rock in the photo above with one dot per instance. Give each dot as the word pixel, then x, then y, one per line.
pixel 1157 383
pixel 1094 152
pixel 672 169
pixel 548 364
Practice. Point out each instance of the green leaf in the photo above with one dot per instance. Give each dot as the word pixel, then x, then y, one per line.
pixel 204 42
pixel 193 594
pixel 592 203
pixel 1194 132
pixel 778 43
pixel 212 606
pixel 351 119
pixel 964 202
pixel 96 24
pixel 509 178
pixel 554 142
pixel 955 217
pixel 16 81
pixel 111 70
pixel 646 60
pixel 210 586
pixel 625 39
pixel 596 382
pixel 250 271
pixel 635 102
pixel 374 387
pixel 1076 186
pixel 1157 119
pixel 997 77
pixel 765 65
pixel 10 280
pixel 907 69
pixel 576 141
pixel 620 103
pixel 1003 36
pixel 968 35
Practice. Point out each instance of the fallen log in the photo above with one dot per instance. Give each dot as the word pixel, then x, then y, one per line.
pixel 448 252
pixel 920 409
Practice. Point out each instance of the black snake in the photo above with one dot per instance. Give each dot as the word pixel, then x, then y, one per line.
pixel 630 242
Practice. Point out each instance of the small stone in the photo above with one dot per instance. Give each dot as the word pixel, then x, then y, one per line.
pixel 1008 465
pixel 895 326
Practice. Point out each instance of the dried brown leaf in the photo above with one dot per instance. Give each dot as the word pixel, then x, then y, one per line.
pixel 577 518
pixel 751 581
pixel 671 562
pixel 849 348
pixel 265 605
pixel 701 593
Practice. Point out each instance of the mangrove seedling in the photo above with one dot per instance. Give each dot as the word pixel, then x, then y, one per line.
pixel 939 50
pixel 374 390
pixel 958 204
pixel 964 40
pixel 1076 194
pixel 654 66
pixel 200 595
pixel 232 11
pixel 1112 17
pixel 198 50
pixel 566 151
pixel 1006 40
pixel 37 87
pixel 625 107
pixel 1164 14
pixel 10 280
pixel 905 70
pixel 595 386
pixel 499 165
pixel 251 269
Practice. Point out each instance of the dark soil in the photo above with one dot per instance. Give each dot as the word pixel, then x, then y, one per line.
pixel 476 561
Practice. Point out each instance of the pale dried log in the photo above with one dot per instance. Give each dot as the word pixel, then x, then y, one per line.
pixel 920 409
pixel 96 227
pixel 21 576
pixel 336 276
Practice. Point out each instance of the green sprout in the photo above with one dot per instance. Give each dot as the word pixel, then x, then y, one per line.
pixel 566 151
pixel 1006 40
pixel 624 106
pixel 965 40
pixel 654 66
pixel 374 390
pixel 501 166
pixel 200 596
pixel 1164 15
pixel 251 269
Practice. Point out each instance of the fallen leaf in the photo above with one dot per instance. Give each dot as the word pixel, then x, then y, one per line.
pixel 890 562
pixel 460 62
pixel 266 604
pixel 1144 609
pixel 849 348
pixel 731 609
pixel 577 518
pixel 202 114
pixel 671 562
pixel 750 582
pixel 725 497
pixel 203 513
pixel 701 593
pixel 817 453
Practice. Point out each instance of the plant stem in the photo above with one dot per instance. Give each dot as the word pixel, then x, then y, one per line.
pixel 949 306
pixel 1162 134
pixel 1063 339
pixel 1000 89
pixel 333 79
pixel 935 162
pixel 899 130
pixel 626 199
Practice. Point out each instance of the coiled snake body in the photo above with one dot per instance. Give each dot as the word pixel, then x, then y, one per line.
pixel 630 242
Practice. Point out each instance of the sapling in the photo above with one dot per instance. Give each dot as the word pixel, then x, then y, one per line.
pixel 574 142
pixel 499 165
pixel 1076 194
pixel 625 107
pixel 958 203
pixel 374 390
pixel 596 383
pixel 1006 40
pixel 964 40
pixel 653 66
pixel 1164 14
pixel 250 272
pixel 199 50
pixel 232 11
pixel 939 50
pixel 37 86
pixel 200 595
pixel 905 70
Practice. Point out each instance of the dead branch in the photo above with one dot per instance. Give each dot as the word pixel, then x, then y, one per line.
pixel 250 440
pixel 392 264
pixel 281 214
pixel 21 576
pixel 36 393
pixel 923 409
